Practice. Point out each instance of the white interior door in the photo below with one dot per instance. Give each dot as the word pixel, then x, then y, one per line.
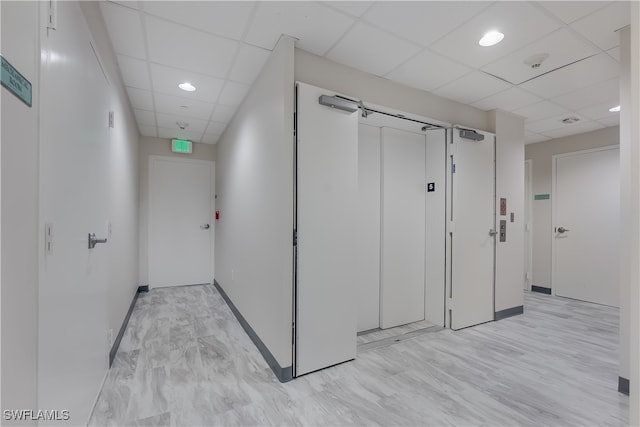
pixel 471 288
pixel 587 205
pixel 528 249
pixel 403 228
pixel 74 188
pixel 327 180
pixel 180 221
pixel 367 253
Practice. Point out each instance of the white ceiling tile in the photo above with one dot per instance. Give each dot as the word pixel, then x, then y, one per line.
pixel 316 27
pixel 223 113
pixel 574 129
pixel 539 111
pixel 600 27
pixel 615 53
pixel 610 121
pixel 507 100
pixel 520 22
pixel 532 138
pixel 248 64
pixel 210 138
pixel 233 94
pixel 569 11
pixel 552 123
pixel 179 46
pixel 140 99
pixel 603 92
pixel 179 134
pixel 371 50
pixel 428 71
pixel 170 121
pixel 135 72
pixel 599 111
pixel 145 118
pixel 148 131
pixel 215 128
pixel 422 22
pixel 125 29
pixel 353 8
pixel 225 18
pixel 166 80
pixel 573 77
pixel 472 87
pixel 169 104
pixel 562 47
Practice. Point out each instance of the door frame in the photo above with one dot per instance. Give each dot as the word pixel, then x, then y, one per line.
pixel 212 203
pixel 528 205
pixel 554 205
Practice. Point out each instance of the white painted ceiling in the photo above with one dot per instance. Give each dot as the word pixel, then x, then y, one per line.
pixel 221 46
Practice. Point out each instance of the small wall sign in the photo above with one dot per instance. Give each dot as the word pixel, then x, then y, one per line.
pixel 15 82
pixel 431 187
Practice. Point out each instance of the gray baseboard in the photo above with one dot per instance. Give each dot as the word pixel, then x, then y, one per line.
pixel 513 311
pixel 283 374
pixel 623 385
pixel 123 327
pixel 541 289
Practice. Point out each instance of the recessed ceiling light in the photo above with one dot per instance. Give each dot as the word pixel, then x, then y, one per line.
pixel 491 38
pixel 614 109
pixel 186 86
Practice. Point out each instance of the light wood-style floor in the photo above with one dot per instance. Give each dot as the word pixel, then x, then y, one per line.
pixel 185 360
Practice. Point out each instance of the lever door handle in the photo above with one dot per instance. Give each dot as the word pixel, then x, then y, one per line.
pixel 493 233
pixel 93 241
pixel 205 227
pixel 562 230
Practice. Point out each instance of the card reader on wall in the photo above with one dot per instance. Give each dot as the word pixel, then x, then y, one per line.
pixel 338 103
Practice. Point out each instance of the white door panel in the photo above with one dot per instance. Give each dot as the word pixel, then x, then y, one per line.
pixel 368 228
pixel 180 221
pixel 327 181
pixel 403 228
pixel 473 217
pixel 587 203
pixel 74 188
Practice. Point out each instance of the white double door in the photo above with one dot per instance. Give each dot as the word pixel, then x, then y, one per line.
pixel 391 235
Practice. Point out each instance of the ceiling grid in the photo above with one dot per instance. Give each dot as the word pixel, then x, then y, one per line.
pixel 558 59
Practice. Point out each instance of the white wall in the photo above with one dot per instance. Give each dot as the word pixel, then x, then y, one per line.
pixel 150 146
pixel 254 184
pixel 327 74
pixel 541 158
pixel 510 185
pixel 19 202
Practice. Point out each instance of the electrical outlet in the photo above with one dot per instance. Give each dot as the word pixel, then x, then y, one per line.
pixel 110 337
pixel 233 275
pixel 109 229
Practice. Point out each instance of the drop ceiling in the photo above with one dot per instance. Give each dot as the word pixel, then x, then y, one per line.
pixel 221 46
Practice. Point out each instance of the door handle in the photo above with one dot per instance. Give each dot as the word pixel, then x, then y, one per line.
pixel 562 230
pixel 205 227
pixel 93 241
pixel 493 233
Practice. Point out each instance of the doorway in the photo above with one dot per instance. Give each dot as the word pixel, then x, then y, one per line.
pixel 528 231
pixel 586 230
pixel 181 227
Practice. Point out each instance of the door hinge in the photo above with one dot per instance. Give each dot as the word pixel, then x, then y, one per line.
pixel 52 15
pixel 295 123
pixel 295 237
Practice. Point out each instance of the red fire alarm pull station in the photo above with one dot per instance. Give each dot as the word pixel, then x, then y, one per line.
pixel 503 206
pixel 217 215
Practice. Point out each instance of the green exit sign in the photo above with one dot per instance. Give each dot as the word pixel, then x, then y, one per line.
pixel 181 146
